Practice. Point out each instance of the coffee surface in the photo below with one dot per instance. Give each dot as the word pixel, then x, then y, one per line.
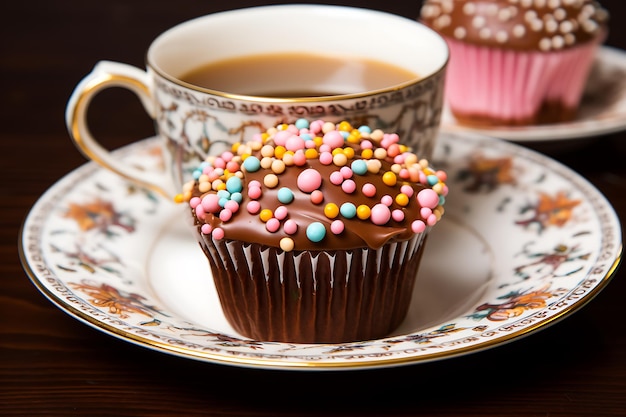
pixel 289 75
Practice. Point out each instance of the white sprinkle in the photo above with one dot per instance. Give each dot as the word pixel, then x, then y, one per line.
pixel 447 6
pixel 469 8
pixel 502 36
pixel 492 9
pixel 484 33
pixel 589 26
pixel 558 42
pixel 554 4
pixel 536 25
pixel 545 44
pixel 530 15
pixel 552 26
pixel 430 11
pixel 560 14
pixel 442 21
pixel 570 39
pixel 566 27
pixel 540 3
pixel 460 32
pixel 504 14
pixel 526 3
pixel 478 22
pixel 519 31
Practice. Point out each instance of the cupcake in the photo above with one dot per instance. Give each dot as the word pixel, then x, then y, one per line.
pixel 517 62
pixel 314 231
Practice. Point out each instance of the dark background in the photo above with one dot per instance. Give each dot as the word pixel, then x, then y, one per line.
pixel 51 364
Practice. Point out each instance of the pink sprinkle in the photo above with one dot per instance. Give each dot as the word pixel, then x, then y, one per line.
pixel 257 137
pixel 254 183
pixel 309 180
pixel 206 228
pixel 418 226
pixel 444 192
pixel 317 197
pixel 219 163
pixel 348 186
pixel 380 214
pixel 291 227
pixel 232 205
pixel 336 227
pixel 226 215
pixel 272 225
pixel 232 166
pixel 200 213
pixel 336 178
pixel 366 144
pixel 422 177
pixel 281 212
pixel 309 144
pixel 227 156
pixel 326 158
pixel 397 215
pixel 255 193
pixel 346 172
pixel 299 158
pixel 387 200
pixel 442 175
pixel 404 174
pixel 432 220
pixel 280 138
pixel 334 139
pixel 210 203
pixel 294 143
pixel 369 190
pixel 324 148
pixel 393 150
pixel 425 212
pixel 428 198
pixel 316 126
pixel 253 207
pixel 399 159
pixel 218 233
pixel 407 189
pixel 194 202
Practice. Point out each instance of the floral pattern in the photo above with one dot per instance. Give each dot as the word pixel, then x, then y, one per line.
pixel 553 240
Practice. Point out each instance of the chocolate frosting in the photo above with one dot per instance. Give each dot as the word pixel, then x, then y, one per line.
pixel 533 25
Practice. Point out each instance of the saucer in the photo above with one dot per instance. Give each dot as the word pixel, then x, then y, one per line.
pixel 602 109
pixel 524 242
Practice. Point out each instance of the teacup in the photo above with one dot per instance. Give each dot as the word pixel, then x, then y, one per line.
pixel 197 117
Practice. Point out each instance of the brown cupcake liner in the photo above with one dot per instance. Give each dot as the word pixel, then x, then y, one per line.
pixel 314 296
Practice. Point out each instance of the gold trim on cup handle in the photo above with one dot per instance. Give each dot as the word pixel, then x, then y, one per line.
pixel 107 74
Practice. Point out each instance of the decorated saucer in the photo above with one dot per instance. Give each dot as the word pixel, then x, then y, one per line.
pixel 524 242
pixel 602 110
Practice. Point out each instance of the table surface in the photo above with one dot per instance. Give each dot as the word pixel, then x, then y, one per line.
pixel 52 364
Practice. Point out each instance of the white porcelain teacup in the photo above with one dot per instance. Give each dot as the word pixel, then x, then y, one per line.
pixel 194 121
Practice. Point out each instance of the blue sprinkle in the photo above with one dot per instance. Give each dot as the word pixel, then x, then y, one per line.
pixel 238 197
pixel 348 210
pixel 285 195
pixel 302 124
pixel 344 134
pixel 442 200
pixel 365 129
pixel 222 201
pixel 234 185
pixel 251 164
pixel 359 167
pixel 432 179
pixel 196 173
pixel 315 232
pixel 306 136
pixel 223 194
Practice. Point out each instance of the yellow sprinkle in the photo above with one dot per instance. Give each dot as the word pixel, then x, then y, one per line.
pixel 264 137
pixel 311 153
pixel 318 140
pixel 265 215
pixel 353 138
pixel 178 198
pixel 286 244
pixel 221 186
pixel 344 126
pixel 244 156
pixel 282 126
pixel 402 199
pixel 337 151
pixel 367 153
pixel 390 178
pixel 348 152
pixel 331 210
pixel 235 147
pixel 279 151
pixel 403 148
pixel 363 212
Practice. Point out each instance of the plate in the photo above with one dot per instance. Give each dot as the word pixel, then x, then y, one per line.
pixel 602 109
pixel 524 242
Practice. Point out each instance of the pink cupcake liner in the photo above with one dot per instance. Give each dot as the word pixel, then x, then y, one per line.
pixel 513 85
pixel 314 296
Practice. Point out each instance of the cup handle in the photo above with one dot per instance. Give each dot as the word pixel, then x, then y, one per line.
pixel 108 74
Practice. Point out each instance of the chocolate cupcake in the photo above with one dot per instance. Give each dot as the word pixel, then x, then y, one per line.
pixel 517 62
pixel 314 231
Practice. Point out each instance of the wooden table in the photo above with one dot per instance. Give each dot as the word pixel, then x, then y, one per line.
pixel 52 364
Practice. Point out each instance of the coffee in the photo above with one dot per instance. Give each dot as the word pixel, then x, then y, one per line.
pixel 290 75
